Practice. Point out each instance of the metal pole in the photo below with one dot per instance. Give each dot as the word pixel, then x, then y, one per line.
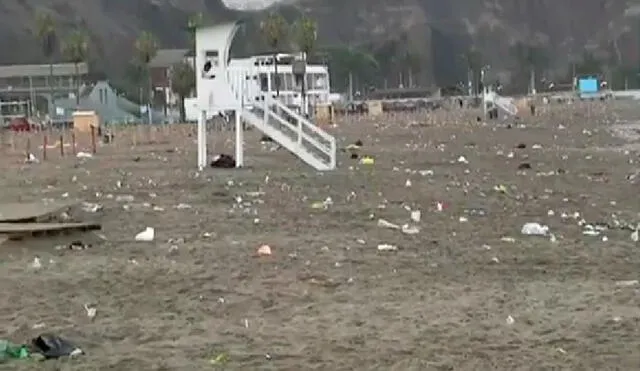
pixel 32 96
pixel 202 140
pixel 170 93
pixel 239 140
pixel 350 87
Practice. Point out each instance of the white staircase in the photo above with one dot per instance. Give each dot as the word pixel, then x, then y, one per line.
pixel 291 130
pixel 504 103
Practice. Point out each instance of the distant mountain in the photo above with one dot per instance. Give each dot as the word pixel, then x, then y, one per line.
pixel 439 32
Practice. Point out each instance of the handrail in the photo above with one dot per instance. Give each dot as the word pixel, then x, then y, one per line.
pixel 306 137
pixel 299 117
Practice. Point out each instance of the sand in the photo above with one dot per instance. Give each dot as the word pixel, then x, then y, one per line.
pixel 468 292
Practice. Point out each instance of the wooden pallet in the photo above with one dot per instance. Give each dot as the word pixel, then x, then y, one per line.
pixel 18 231
pixel 31 212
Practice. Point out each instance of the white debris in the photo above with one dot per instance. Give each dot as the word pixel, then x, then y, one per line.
pixel 510 320
pixel 84 155
pixel 385 224
pixel 408 183
pixel 387 247
pixel 327 202
pixel 36 263
pixel 124 198
pixel 463 160
pixel 31 159
pixel 91 208
pixel 416 215
pixel 407 229
pixel 91 310
pixel 627 283
pixel 534 229
pixel 147 235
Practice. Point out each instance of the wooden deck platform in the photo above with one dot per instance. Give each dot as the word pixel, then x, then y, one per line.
pixel 22 230
pixel 31 212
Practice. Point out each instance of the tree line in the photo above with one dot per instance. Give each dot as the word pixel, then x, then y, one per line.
pixel 351 66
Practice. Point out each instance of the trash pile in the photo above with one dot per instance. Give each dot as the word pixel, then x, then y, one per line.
pixel 42 347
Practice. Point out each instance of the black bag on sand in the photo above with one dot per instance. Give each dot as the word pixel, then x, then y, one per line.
pixel 53 346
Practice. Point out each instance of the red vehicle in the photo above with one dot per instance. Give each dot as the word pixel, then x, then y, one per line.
pixel 22 124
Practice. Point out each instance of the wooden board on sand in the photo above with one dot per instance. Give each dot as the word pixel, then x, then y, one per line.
pixel 21 230
pixel 17 212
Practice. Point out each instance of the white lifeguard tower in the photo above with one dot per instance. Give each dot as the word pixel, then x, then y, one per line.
pixel 223 85
pixel 491 100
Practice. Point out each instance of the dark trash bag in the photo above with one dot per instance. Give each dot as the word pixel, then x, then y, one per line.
pixel 223 161
pixel 53 346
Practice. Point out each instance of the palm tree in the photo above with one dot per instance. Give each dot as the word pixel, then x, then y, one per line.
pixel 146 49
pixel 413 63
pixel 183 81
pixel 474 61
pixel 75 49
pixel 306 34
pixel 349 62
pixel 47 35
pixel 195 21
pixel 275 29
pixel 531 58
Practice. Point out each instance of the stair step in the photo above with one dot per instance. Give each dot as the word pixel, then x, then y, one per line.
pixel 317 150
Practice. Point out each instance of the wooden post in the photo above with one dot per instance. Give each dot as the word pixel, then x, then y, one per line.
pixel 73 142
pixel 28 147
pixel 61 145
pixel 45 143
pixel 134 132
pixel 93 139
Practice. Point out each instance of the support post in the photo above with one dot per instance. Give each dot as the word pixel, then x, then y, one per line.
pixel 266 108
pixel 484 101
pixel 239 140
pixel 93 140
pixel 202 140
pixel 45 143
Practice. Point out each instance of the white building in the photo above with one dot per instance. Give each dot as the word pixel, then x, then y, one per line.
pixel 256 77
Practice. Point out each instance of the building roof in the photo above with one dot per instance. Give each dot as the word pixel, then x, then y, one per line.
pixel 168 57
pixel 39 70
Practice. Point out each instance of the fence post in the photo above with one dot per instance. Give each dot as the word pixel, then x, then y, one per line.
pixel 28 148
pixel 73 142
pixel 61 145
pixel 93 139
pixel 45 143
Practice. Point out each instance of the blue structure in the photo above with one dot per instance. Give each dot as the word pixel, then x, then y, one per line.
pixel 588 87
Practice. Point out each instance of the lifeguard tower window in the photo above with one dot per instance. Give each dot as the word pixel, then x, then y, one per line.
pixel 264 82
pixel 211 61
